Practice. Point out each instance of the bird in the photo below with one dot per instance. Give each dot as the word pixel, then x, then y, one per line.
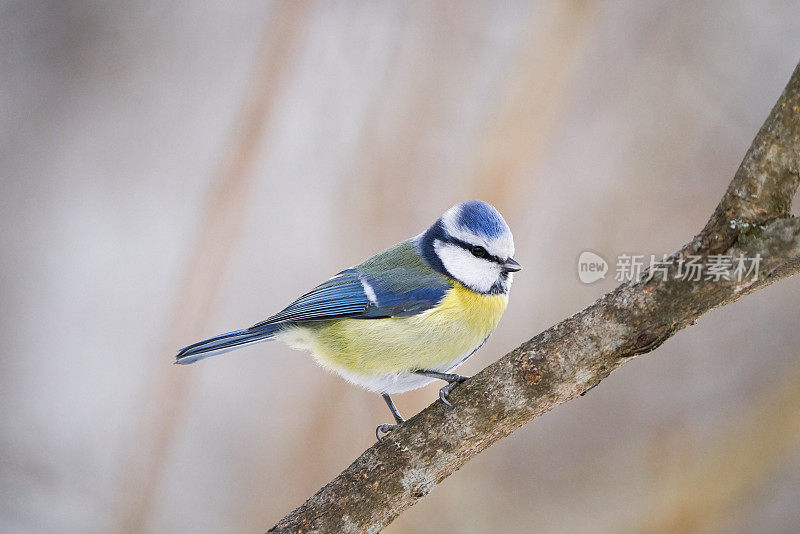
pixel 403 318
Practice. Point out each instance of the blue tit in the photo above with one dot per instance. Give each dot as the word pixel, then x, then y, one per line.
pixel 404 317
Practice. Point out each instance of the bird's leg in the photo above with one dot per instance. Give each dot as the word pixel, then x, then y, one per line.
pixel 451 379
pixel 386 428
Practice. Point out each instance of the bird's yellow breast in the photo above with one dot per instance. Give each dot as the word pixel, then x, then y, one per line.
pixel 434 339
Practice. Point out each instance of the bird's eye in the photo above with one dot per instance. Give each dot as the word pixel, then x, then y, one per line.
pixel 478 252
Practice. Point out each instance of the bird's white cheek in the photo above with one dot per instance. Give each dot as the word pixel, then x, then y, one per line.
pixel 476 273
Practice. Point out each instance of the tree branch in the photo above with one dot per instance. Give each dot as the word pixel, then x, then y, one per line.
pixel 565 361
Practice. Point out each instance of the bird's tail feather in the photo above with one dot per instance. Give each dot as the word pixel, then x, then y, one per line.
pixel 225 343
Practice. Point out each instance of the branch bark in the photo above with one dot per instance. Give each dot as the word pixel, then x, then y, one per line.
pixel 563 362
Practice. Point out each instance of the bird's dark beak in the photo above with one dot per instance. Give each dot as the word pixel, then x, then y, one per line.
pixel 511 266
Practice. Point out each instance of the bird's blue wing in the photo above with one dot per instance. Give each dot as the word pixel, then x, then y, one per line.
pixel 403 291
pixel 398 292
pixel 341 296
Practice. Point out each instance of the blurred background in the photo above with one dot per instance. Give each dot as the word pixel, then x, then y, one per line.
pixel 173 170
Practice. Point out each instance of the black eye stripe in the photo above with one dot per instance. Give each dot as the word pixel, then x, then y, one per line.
pixel 468 247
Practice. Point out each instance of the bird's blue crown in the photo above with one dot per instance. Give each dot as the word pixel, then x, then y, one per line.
pixel 481 218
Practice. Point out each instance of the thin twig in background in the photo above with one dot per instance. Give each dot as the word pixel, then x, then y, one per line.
pixel 530 107
pixel 753 218
pixel 219 227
